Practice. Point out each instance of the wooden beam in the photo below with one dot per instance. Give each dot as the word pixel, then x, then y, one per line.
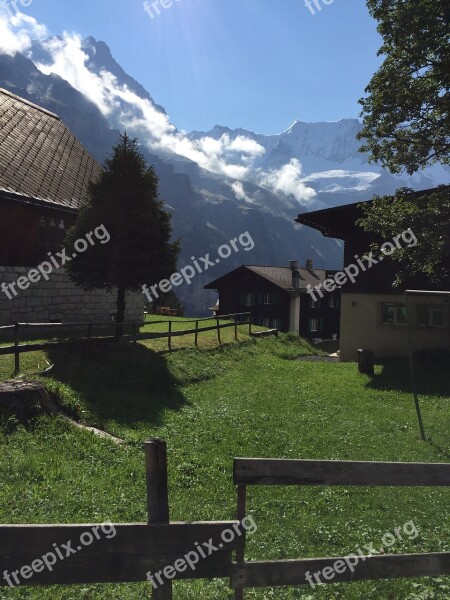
pixel 294 572
pixel 52 345
pixel 255 471
pixel 134 550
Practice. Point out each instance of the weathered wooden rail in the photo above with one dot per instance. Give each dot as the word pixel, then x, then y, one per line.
pixel 262 472
pixel 17 349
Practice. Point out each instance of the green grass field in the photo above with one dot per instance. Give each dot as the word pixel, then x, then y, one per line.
pixel 250 398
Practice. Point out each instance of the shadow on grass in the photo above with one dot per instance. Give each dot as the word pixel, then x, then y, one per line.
pixel 431 372
pixel 118 382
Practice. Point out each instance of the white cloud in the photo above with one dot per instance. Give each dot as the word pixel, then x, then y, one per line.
pixel 288 180
pixel 17 30
pixel 244 145
pixel 358 181
pixel 240 193
pixel 69 62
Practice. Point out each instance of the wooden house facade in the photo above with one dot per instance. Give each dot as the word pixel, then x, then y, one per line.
pixel 277 298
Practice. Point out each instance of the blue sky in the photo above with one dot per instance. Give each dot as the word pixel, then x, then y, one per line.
pixel 258 64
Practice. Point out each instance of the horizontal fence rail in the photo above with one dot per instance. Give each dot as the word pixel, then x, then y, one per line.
pixel 127 557
pixel 254 471
pixel 294 572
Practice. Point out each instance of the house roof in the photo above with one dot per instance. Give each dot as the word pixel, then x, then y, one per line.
pixel 339 222
pixel 40 159
pixel 281 276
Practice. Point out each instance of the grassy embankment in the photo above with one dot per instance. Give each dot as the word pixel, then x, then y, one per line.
pixel 247 399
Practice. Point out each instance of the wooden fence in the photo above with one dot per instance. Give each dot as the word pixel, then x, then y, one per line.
pixel 335 473
pixel 17 349
pixel 138 548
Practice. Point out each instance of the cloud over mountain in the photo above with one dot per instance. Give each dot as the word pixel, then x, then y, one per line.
pixel 70 57
pixel 288 180
pixel 17 31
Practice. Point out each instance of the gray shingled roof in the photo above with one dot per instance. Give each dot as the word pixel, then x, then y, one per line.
pixel 39 157
pixel 282 276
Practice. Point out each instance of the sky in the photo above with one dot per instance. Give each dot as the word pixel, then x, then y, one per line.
pixel 256 64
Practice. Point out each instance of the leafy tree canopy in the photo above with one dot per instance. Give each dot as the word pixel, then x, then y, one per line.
pixel 406 110
pixel 406 126
pixel 428 216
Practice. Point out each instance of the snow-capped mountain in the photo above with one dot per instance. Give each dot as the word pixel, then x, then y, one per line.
pixel 325 156
pixel 313 164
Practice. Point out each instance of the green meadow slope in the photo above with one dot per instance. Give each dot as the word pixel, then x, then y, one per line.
pixel 254 399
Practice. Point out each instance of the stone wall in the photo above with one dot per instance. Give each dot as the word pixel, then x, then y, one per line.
pixel 59 300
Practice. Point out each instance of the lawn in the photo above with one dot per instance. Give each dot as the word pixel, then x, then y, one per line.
pixel 251 398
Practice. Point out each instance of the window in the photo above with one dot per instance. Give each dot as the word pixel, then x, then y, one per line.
pixel 248 299
pixel 431 315
pixel 51 236
pixel 334 301
pixel 393 313
pixel 268 298
pixel 313 325
pixel 313 303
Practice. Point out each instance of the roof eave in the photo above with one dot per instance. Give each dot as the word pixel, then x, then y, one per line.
pixel 39 202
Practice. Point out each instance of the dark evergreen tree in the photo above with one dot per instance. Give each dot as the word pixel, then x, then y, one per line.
pixel 125 202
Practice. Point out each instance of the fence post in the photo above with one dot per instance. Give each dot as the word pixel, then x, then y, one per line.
pixel 196 333
pixel 241 510
pixel 157 497
pixel 218 331
pixel 170 336
pixel 16 349
pixel 235 327
pixel 249 324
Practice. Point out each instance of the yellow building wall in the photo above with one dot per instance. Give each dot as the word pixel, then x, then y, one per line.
pixel 361 327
